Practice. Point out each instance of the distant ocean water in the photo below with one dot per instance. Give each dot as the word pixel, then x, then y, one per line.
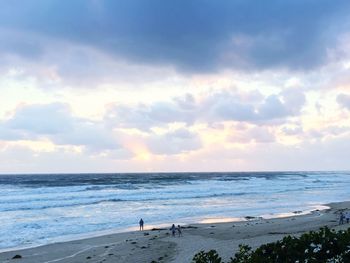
pixel 39 209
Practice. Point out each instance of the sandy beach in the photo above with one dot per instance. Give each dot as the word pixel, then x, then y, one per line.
pixel 158 245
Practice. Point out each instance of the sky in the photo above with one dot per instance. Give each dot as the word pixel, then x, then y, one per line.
pixel 174 86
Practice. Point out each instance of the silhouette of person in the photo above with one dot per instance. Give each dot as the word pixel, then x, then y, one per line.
pixel 141 224
pixel 341 218
pixel 173 230
pixel 179 230
pixel 347 217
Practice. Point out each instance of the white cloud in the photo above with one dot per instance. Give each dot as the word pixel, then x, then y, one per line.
pixel 56 123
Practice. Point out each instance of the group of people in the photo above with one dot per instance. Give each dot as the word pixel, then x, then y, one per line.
pixel 344 217
pixel 173 228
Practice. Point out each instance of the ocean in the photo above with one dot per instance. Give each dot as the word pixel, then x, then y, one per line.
pixel 46 208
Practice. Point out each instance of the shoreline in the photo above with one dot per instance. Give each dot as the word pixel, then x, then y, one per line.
pixel 156 244
pixel 203 221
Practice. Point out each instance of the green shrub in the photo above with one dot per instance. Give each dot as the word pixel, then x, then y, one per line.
pixel 207 257
pixel 321 246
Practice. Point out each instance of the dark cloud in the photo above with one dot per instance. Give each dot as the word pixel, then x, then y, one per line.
pixel 192 35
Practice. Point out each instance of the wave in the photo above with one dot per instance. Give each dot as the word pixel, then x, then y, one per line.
pixel 133 180
pixel 37 205
pixel 87 195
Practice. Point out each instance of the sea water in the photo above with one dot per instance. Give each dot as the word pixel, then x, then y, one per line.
pixel 41 209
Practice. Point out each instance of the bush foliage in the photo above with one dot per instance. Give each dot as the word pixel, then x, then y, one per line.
pixel 324 245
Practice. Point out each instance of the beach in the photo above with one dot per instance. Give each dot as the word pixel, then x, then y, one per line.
pixel 158 245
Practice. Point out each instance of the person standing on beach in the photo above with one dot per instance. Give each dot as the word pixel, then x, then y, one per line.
pixel 347 217
pixel 179 230
pixel 341 218
pixel 141 224
pixel 173 230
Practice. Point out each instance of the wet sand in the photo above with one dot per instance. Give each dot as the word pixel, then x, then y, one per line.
pixel 159 246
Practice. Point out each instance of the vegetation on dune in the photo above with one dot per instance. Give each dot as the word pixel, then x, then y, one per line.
pixel 321 246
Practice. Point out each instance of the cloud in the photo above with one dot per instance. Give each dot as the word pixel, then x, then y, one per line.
pixel 174 142
pixel 192 36
pixel 230 106
pixel 60 65
pixel 56 122
pixel 144 117
pixel 344 100
pixel 255 134
pixel 41 119
pixel 308 155
pixel 20 44
pixel 210 108
pixel 330 131
pixel 22 159
pixel 294 130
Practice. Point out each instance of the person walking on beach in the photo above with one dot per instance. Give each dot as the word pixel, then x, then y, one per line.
pixel 341 218
pixel 347 217
pixel 173 230
pixel 141 224
pixel 179 230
